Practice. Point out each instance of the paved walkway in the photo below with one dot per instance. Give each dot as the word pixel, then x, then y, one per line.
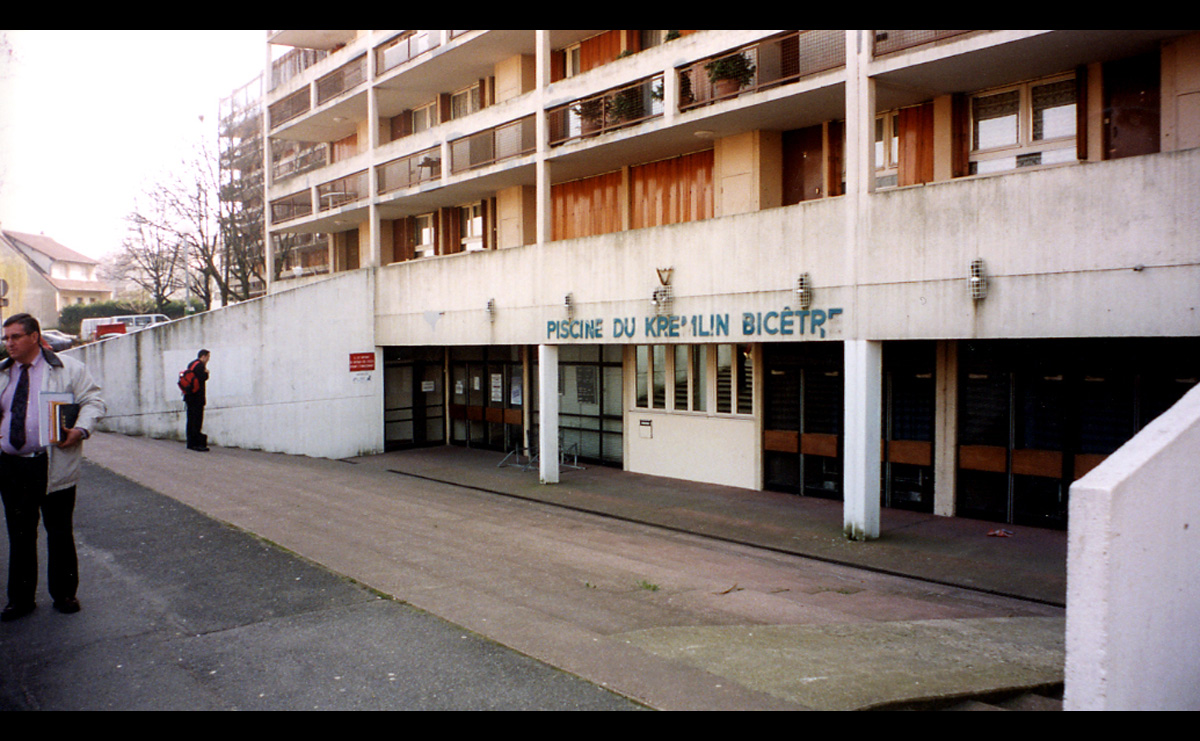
pixel 678 595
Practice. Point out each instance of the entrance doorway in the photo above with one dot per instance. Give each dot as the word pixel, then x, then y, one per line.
pixel 908 422
pixel 413 397
pixel 802 418
pixel 487 396
pixel 1036 415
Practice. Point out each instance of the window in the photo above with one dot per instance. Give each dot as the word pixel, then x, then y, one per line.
pixel 425 117
pixel 466 101
pixel 471 226
pixel 573 60
pixel 1023 126
pixel 887 150
pixel 424 236
pixel 676 378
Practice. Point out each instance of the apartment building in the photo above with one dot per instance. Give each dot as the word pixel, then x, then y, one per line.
pixel 947 271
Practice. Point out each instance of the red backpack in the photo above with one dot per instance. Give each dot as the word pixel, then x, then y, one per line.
pixel 188 382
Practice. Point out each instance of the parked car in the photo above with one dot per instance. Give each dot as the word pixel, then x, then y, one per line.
pixel 58 341
pixel 89 328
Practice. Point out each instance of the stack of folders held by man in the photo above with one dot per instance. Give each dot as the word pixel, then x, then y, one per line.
pixel 60 413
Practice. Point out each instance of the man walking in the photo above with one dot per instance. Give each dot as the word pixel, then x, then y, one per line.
pixel 37 479
pixel 193 398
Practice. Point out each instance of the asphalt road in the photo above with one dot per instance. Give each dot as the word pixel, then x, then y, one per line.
pixel 181 612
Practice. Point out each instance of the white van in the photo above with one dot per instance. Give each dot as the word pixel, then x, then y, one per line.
pixel 132 322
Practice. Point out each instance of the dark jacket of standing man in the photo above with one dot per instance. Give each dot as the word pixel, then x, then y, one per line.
pixel 38 480
pixel 195 400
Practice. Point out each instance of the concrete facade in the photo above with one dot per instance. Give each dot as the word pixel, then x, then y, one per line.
pixel 529 244
pixel 281 380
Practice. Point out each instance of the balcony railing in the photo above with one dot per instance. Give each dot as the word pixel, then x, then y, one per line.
pixel 291 207
pixel 607 111
pixel 296 104
pixel 399 50
pixel 422 167
pixel 512 139
pixel 289 159
pixel 342 191
pixel 776 61
pixel 890 42
pixel 293 63
pixel 344 78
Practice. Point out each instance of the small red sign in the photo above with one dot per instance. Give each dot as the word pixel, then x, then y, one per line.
pixel 362 361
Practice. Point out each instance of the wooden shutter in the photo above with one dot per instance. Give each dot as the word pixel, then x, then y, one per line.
pixel 672 191
pixel 401 126
pixel 451 219
pixel 960 135
pixel 837 153
pixel 916 145
pixel 558 65
pixel 402 239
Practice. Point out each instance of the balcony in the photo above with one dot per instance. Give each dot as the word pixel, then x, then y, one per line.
pixel 607 111
pixel 290 208
pixel 293 64
pixel 890 42
pixel 494 145
pixel 406 172
pixel 760 66
pixel 293 106
pixel 343 191
pixel 344 78
pixel 401 49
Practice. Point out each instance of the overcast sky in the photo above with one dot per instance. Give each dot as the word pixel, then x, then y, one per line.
pixel 89 118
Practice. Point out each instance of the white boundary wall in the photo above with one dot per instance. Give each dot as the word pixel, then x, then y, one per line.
pixel 1133 572
pixel 280 364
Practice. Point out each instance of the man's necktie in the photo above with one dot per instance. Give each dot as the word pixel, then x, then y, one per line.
pixel 20 401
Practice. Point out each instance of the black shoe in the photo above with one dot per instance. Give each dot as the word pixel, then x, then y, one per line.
pixel 199 450
pixel 16 612
pixel 67 606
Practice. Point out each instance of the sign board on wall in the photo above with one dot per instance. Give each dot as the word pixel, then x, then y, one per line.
pixel 787 322
pixel 362 361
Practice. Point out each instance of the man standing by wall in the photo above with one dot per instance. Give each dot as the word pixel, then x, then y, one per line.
pixel 36 479
pixel 194 398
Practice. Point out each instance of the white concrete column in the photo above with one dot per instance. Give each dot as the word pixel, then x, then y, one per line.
pixel 862 446
pixel 945 430
pixel 542 192
pixel 548 411
pixel 374 257
pixel 863 358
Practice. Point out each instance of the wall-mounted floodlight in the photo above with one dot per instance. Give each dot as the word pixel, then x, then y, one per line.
pixel 569 305
pixel 978 280
pixel 491 309
pixel 804 290
pixel 662 296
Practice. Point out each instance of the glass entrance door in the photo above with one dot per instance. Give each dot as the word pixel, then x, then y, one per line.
pixel 413 398
pixel 802 418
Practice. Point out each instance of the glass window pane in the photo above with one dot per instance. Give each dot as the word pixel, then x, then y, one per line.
pixel 681 377
pixel 643 367
pixel 659 363
pixel 724 379
pixel 1054 110
pixel 745 380
pixel 995 119
pixel 699 374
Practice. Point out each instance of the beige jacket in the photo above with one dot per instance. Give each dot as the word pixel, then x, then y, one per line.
pixel 65 374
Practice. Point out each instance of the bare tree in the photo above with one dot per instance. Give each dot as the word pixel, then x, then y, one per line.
pixel 152 254
pixel 217 256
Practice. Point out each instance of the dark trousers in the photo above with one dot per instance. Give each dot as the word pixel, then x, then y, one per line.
pixel 23 487
pixel 195 422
